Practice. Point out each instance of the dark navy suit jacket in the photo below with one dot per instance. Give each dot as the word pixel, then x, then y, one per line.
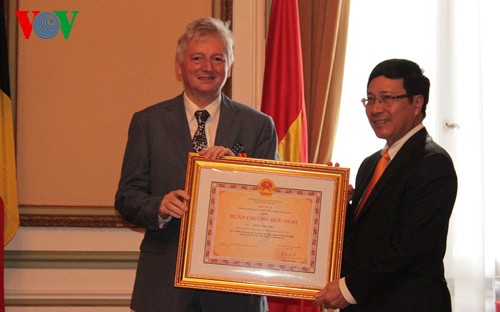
pixel 393 253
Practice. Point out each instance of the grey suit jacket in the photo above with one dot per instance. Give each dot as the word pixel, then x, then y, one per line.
pixel 154 164
pixel 393 253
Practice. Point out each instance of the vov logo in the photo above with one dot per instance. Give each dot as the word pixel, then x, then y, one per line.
pixel 46 25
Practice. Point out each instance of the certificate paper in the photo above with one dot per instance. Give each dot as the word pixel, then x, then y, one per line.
pixel 252 228
pixel 261 226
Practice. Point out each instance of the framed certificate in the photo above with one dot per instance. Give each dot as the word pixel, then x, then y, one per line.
pixel 261 226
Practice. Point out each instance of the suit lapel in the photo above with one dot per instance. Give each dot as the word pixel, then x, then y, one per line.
pixel 365 179
pixel 176 123
pixel 403 156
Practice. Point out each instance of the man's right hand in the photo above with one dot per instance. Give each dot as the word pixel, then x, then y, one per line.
pixel 172 204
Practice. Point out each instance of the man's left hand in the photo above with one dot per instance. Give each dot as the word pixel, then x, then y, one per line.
pixel 215 152
pixel 330 297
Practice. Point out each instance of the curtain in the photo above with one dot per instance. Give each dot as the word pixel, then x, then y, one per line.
pixel 324 39
pixel 323 27
pixel 458 47
pixel 468 66
pixel 459 50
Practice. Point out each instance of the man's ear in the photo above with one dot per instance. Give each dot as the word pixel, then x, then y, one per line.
pixel 418 101
pixel 178 68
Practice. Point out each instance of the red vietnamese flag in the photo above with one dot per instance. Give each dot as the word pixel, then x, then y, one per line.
pixel 283 100
pixel 283 90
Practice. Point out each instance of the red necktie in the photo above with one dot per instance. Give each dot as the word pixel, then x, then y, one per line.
pixel 382 163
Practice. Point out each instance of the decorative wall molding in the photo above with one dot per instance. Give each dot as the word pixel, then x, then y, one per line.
pixel 27 302
pixel 34 259
pixel 71 295
pixel 71 216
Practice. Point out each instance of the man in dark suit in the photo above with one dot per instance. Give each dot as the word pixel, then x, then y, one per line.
pixel 396 240
pixel 150 192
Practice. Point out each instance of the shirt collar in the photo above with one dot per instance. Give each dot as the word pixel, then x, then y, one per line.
pixel 394 148
pixel 212 108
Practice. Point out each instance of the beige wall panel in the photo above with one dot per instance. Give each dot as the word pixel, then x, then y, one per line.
pixel 70 284
pixel 76 239
pixel 76 96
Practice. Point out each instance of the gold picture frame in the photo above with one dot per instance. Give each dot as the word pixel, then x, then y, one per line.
pixel 261 226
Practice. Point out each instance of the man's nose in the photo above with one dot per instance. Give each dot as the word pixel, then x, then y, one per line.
pixel 207 65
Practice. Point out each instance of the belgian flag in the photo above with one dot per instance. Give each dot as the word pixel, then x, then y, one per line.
pixel 9 212
pixel 8 188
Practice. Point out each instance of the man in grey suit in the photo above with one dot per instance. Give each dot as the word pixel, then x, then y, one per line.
pixel 395 235
pixel 150 192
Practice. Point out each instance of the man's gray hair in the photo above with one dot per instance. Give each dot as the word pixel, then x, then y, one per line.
pixel 206 26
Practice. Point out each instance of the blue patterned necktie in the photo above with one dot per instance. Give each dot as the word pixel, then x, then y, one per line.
pixel 200 137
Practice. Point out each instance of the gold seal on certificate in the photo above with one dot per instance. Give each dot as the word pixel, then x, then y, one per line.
pixel 266 187
pixel 261 226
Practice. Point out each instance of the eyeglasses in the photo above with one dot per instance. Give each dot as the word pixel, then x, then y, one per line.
pixel 387 100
